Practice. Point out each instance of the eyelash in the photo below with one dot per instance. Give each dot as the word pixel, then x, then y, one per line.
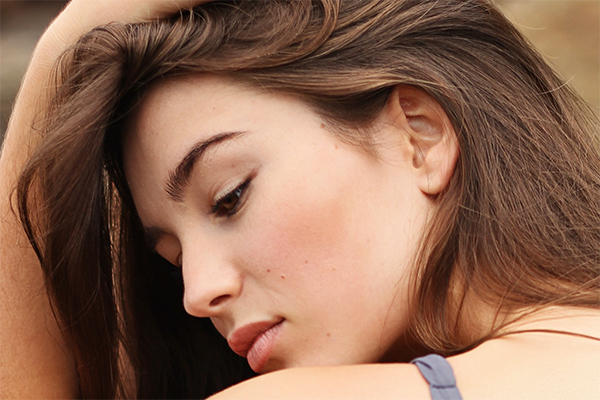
pixel 220 210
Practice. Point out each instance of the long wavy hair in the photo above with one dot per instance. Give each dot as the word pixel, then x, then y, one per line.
pixel 518 226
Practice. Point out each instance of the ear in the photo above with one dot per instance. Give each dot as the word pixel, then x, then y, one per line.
pixel 431 141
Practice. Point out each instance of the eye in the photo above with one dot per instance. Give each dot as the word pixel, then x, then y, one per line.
pixel 228 204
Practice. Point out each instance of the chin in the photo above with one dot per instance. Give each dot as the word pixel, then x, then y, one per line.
pixel 275 365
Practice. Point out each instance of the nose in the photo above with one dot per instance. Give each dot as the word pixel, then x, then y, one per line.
pixel 211 284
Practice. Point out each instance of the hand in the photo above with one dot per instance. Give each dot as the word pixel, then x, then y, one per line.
pixel 81 16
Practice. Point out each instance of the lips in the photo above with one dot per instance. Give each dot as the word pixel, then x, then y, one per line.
pixel 255 341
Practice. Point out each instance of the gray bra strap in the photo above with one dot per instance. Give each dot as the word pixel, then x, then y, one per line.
pixel 436 370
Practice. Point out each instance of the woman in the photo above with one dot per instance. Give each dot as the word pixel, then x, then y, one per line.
pixel 367 183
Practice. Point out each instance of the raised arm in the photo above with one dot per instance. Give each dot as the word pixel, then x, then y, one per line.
pixel 35 361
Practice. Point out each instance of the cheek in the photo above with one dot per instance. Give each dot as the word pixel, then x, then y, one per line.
pixel 306 243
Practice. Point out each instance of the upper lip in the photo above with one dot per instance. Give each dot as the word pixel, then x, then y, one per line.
pixel 242 338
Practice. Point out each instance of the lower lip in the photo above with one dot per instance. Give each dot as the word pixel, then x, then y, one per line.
pixel 261 349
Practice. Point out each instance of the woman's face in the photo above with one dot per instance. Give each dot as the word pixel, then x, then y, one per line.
pixel 297 245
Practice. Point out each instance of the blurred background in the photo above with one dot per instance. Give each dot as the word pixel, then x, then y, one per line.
pixel 567 32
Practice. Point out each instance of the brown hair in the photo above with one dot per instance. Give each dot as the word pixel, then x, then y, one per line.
pixel 518 226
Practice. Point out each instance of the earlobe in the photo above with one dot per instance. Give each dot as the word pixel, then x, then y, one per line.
pixel 432 141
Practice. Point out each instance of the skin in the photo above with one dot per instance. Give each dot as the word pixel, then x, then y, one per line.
pixel 524 366
pixel 310 242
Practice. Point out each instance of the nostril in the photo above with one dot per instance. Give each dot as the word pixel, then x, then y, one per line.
pixel 218 300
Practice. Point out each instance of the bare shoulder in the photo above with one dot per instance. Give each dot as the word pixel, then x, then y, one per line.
pixel 372 381
pixel 536 365
pixel 540 364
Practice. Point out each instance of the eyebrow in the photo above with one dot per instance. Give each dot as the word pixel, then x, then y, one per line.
pixel 179 177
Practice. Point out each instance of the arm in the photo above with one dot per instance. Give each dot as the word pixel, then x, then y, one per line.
pixel 34 359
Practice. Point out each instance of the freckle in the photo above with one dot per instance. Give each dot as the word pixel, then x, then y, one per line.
pixel 306 262
pixel 336 146
pixel 328 334
pixel 282 276
pixel 333 269
pixel 322 126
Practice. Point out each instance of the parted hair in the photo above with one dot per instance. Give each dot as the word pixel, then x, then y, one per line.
pixel 518 225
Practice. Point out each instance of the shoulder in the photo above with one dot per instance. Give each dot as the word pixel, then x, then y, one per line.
pixel 529 371
pixel 377 381
pixel 535 365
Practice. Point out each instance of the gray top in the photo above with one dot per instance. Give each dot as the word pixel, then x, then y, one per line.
pixel 438 373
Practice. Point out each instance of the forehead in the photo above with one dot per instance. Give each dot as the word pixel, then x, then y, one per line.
pixel 177 114
pixel 174 114
pixel 173 107
pixel 172 117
